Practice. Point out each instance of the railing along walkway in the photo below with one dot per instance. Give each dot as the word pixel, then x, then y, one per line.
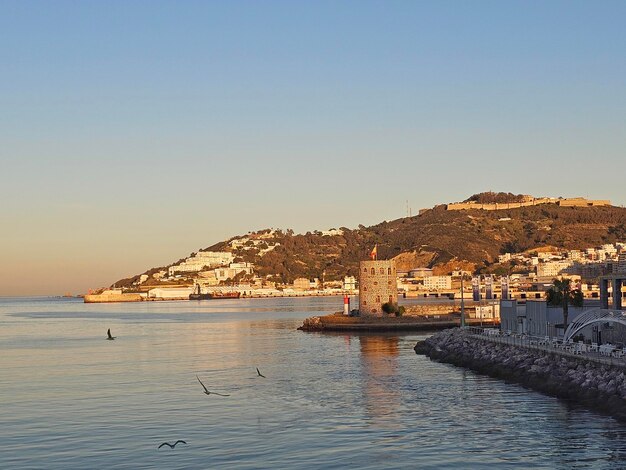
pixel 554 346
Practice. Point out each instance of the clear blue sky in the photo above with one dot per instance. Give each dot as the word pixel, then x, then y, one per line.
pixel 133 133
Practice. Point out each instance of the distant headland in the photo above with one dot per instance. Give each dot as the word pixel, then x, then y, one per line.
pixel 473 236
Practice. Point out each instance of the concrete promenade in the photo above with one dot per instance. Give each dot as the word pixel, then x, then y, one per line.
pixel 612 357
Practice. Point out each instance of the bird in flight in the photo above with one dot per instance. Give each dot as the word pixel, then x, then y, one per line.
pixel 171 445
pixel 259 373
pixel 109 334
pixel 209 392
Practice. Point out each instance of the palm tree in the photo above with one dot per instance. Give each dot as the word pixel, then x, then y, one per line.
pixel 562 294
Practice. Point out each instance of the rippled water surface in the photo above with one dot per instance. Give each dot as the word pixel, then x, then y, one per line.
pixel 71 399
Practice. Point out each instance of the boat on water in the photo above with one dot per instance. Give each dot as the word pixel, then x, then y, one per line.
pixel 198 295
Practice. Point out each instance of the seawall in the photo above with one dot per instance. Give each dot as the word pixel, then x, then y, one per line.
pixel 110 298
pixel 596 385
pixel 340 322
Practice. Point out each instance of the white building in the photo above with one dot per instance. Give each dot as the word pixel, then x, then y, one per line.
pixel 488 312
pixel 504 258
pixel 610 250
pixel 552 268
pixel 301 283
pixel 170 293
pixel 201 260
pixel 574 255
pixel 332 232
pixel 223 274
pixel 420 272
pixel 349 283
pixel 438 282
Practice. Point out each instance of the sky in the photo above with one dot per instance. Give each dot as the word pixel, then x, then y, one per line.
pixel 133 133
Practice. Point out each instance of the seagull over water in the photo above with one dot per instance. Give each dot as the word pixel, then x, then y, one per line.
pixel 109 335
pixel 206 391
pixel 259 372
pixel 171 445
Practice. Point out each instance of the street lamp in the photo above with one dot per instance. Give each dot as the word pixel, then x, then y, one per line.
pixel 462 304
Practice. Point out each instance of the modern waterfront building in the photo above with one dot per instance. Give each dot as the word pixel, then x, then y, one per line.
pixel 377 286
pixel 535 317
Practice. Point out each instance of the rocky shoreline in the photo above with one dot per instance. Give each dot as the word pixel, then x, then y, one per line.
pixel 598 386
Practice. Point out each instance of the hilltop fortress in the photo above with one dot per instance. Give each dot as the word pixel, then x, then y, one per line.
pixel 528 201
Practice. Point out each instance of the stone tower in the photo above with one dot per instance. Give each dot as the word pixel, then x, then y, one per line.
pixel 377 285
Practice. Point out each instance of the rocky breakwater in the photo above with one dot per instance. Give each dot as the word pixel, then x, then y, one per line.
pixel 598 386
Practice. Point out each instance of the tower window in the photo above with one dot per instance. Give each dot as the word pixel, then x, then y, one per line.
pixel 378 299
pixel 382 270
pixel 373 271
pixel 389 271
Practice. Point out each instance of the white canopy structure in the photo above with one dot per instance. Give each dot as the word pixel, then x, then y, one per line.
pixel 593 316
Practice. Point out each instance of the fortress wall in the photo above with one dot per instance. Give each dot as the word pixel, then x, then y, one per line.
pixel 570 202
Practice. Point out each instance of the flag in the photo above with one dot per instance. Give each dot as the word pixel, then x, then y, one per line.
pixel 374 253
pixel 476 289
pixel 488 287
pixel 504 284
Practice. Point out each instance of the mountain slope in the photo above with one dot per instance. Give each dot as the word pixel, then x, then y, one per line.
pixel 437 238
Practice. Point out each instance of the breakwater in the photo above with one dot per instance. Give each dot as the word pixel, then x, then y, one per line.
pixel 340 322
pixel 595 384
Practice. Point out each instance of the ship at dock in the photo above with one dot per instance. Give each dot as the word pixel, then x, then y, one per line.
pixel 213 295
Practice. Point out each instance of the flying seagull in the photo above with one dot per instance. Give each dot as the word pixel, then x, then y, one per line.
pixel 208 392
pixel 258 372
pixel 171 445
pixel 109 334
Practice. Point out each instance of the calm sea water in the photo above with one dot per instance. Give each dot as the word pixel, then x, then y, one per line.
pixel 71 399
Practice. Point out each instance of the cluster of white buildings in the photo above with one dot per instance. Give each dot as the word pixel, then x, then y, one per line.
pixel 216 268
pixel 262 242
pixel 423 279
pixel 589 263
pixel 201 260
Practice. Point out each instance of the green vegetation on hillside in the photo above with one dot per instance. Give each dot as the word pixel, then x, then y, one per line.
pixel 442 236
pixel 468 238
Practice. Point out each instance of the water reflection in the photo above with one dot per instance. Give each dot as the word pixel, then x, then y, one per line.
pixel 379 364
pixel 329 401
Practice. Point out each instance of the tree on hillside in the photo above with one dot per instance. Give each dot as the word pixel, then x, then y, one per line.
pixel 561 294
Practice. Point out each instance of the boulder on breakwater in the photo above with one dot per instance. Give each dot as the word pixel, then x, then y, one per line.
pixel 599 386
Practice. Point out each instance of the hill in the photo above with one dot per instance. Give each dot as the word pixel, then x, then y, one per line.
pixel 438 238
